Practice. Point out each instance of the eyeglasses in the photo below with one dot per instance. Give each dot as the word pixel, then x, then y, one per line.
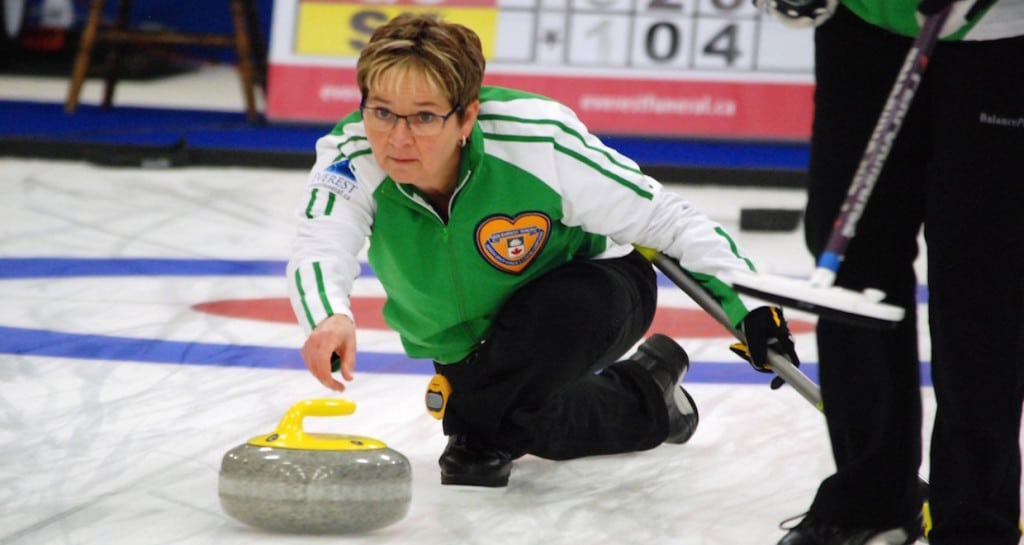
pixel 420 123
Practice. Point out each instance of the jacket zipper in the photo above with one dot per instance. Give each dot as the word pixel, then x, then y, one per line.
pixel 452 261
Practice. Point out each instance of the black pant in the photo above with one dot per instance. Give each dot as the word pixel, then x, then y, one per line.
pixel 544 381
pixel 958 170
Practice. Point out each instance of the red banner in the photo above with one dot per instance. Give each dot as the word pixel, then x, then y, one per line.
pixel 607 105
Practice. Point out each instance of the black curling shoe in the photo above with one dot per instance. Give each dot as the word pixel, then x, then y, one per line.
pixel 465 462
pixel 813 531
pixel 667 363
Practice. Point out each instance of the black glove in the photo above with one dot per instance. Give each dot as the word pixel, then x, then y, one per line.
pixel 963 13
pixel 799 13
pixel 765 328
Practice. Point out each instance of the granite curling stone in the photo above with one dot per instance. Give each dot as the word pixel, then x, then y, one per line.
pixel 313 483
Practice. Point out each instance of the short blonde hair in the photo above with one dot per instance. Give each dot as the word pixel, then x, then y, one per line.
pixel 448 54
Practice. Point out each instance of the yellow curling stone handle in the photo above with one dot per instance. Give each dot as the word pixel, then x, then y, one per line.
pixel 289 433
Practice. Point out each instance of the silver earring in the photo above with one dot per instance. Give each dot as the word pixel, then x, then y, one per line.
pixel 462 143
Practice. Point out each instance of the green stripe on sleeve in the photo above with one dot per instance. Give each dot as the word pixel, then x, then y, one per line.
pixel 330 203
pixel 575 155
pixel 309 205
pixel 734 248
pixel 302 298
pixel 321 289
pixel 564 128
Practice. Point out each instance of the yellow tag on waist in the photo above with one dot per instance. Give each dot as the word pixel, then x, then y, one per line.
pixel 437 395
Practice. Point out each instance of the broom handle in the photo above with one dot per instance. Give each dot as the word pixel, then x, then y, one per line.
pixel 780 365
pixel 878 147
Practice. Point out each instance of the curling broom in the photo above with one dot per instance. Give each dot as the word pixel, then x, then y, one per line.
pixel 819 295
pixel 780 365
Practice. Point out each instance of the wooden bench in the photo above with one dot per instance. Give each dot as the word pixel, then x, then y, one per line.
pixel 246 39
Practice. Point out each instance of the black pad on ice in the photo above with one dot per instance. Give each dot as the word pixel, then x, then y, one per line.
pixel 769 219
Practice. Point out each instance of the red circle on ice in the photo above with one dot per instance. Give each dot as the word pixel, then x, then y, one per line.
pixel 674 322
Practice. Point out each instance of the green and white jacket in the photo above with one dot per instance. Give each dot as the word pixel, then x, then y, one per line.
pixel 535 190
pixel 1004 19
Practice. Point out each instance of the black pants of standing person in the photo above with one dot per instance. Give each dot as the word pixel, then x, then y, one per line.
pixel 957 168
pixel 546 381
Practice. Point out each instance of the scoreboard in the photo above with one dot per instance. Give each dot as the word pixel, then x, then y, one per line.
pixel 680 68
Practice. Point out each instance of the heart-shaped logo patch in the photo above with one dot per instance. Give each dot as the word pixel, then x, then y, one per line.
pixel 510 244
